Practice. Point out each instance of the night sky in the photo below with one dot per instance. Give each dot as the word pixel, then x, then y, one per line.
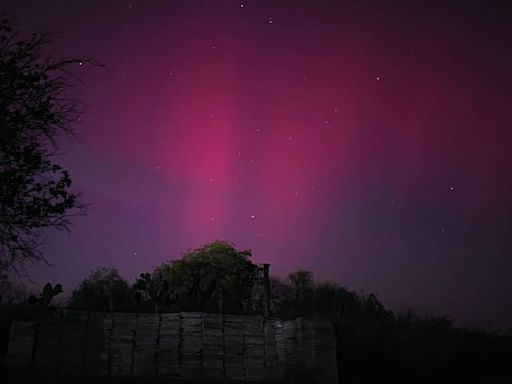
pixel 367 141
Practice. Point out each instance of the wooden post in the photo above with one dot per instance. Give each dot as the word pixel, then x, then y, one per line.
pixel 266 286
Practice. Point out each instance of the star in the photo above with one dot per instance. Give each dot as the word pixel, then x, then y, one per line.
pixel 378 78
pixel 270 21
pixel 253 217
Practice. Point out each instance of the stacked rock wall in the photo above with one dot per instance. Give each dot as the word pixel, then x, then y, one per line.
pixel 181 345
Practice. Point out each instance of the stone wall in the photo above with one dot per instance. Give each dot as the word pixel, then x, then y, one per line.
pixel 180 345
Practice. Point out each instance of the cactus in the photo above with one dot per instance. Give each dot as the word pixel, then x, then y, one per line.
pixel 48 293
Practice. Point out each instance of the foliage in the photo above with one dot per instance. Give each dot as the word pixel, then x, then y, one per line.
pixel 35 109
pixel 374 343
pixel 302 284
pixel 10 292
pixel 280 294
pixel 103 290
pixel 300 296
pixel 151 292
pixel 213 278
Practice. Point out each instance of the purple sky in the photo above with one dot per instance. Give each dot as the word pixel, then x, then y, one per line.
pixel 367 141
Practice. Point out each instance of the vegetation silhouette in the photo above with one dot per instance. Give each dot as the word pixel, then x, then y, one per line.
pixel 36 109
pixel 212 278
pixel 374 343
pixel 103 290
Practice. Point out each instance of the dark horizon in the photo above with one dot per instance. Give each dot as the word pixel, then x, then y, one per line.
pixel 364 141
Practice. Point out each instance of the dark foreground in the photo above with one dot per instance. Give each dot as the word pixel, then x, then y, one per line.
pixel 14 376
pixel 19 377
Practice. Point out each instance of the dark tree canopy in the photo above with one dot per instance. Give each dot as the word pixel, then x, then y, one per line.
pixel 213 278
pixel 103 290
pixel 35 109
pixel 151 292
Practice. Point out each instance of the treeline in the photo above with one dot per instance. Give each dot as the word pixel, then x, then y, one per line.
pixel 374 343
pixel 217 278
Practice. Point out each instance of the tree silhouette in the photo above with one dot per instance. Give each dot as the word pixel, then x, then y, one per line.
pixel 213 278
pixel 303 287
pixel 103 290
pixel 151 292
pixel 35 109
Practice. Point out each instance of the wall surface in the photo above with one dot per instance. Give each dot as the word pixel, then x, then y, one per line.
pixel 176 345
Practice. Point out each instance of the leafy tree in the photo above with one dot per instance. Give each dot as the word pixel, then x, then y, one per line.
pixel 103 290
pixel 280 298
pixel 10 292
pixel 35 109
pixel 303 286
pixel 151 292
pixel 327 299
pixel 213 278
